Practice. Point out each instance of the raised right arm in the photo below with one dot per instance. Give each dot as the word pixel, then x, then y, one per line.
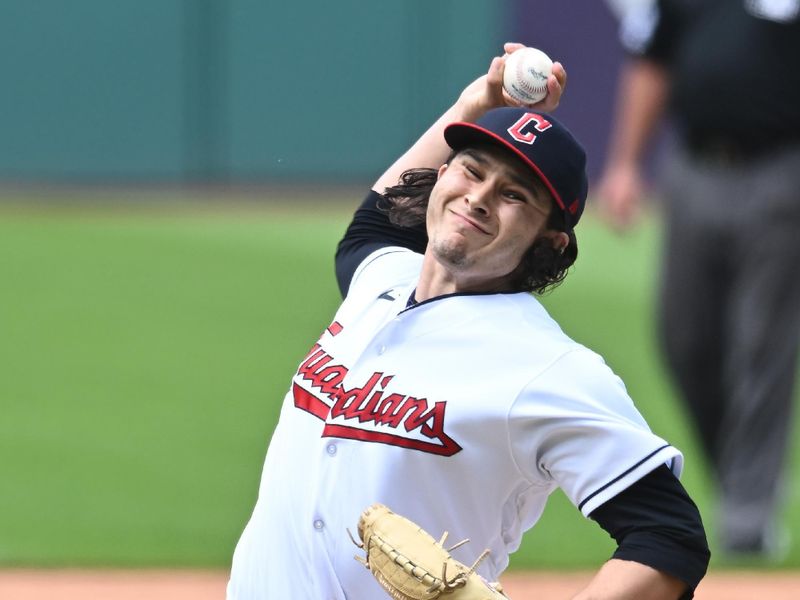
pixel 370 228
pixel 483 94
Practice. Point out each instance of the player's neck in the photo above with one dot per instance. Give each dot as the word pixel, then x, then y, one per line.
pixel 437 280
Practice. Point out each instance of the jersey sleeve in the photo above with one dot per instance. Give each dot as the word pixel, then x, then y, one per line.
pixel 575 426
pixel 649 29
pixel 655 523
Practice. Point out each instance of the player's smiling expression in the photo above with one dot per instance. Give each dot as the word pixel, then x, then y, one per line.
pixel 484 213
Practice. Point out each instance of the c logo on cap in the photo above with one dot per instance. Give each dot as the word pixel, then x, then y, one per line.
pixel 541 124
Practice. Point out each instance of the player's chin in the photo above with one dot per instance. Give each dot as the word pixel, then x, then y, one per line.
pixel 452 250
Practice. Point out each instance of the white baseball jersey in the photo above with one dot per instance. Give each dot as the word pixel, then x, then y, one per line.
pixel 462 413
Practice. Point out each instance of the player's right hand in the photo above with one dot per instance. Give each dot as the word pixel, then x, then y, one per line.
pixel 486 92
pixel 556 83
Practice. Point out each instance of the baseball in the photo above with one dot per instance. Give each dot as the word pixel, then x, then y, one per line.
pixel 525 75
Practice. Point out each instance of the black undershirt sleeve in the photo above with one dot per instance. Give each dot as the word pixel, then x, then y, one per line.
pixel 655 523
pixel 371 230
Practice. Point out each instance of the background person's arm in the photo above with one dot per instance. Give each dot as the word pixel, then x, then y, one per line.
pixel 641 101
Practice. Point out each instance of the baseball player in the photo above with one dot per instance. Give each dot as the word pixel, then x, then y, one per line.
pixel 443 390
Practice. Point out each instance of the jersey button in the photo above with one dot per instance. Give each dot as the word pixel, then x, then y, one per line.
pixel 318 524
pixel 331 449
pixel 382 349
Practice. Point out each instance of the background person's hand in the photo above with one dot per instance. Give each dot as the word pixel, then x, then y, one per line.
pixel 619 196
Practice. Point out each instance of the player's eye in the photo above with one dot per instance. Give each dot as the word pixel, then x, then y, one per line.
pixel 473 171
pixel 515 195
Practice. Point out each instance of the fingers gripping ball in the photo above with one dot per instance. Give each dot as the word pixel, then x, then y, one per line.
pixel 411 565
pixel 525 75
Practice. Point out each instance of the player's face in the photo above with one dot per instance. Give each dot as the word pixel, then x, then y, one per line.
pixel 484 213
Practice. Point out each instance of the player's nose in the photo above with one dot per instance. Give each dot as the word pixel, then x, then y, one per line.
pixel 478 202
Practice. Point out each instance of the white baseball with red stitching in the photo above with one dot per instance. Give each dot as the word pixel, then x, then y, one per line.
pixel 525 75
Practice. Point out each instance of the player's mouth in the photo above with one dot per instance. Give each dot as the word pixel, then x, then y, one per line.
pixel 472 224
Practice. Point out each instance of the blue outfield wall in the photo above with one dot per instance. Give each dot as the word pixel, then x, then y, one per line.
pixel 254 90
pixel 91 89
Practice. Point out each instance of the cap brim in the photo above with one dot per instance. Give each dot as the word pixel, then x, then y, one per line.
pixel 460 135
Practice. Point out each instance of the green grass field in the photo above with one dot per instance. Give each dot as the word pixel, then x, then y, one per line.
pixel 145 354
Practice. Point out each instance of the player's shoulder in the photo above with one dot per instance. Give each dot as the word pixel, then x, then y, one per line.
pixel 535 328
pixel 523 330
pixel 386 268
pixel 526 313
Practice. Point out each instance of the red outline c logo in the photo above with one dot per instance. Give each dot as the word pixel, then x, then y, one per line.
pixel 515 131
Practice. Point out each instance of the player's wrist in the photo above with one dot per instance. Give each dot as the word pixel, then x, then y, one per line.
pixel 469 109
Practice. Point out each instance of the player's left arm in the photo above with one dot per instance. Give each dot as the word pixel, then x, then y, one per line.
pixel 662 548
pixel 624 580
pixel 585 435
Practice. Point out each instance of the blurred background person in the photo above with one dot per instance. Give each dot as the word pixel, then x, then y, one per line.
pixel 727 73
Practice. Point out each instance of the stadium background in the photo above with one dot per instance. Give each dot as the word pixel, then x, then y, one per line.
pixel 253 92
pixel 174 176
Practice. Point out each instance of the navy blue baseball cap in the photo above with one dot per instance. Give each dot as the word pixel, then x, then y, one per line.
pixel 543 144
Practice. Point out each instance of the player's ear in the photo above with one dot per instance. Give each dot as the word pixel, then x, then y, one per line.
pixel 442 169
pixel 558 239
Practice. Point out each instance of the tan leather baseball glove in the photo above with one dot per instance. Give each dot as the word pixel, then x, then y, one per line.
pixel 411 565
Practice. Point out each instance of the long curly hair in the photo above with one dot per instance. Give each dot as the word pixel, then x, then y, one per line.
pixel 542 267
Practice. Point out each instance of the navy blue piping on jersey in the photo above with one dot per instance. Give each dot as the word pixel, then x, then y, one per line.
pixel 620 476
pixel 415 304
pixel 412 299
